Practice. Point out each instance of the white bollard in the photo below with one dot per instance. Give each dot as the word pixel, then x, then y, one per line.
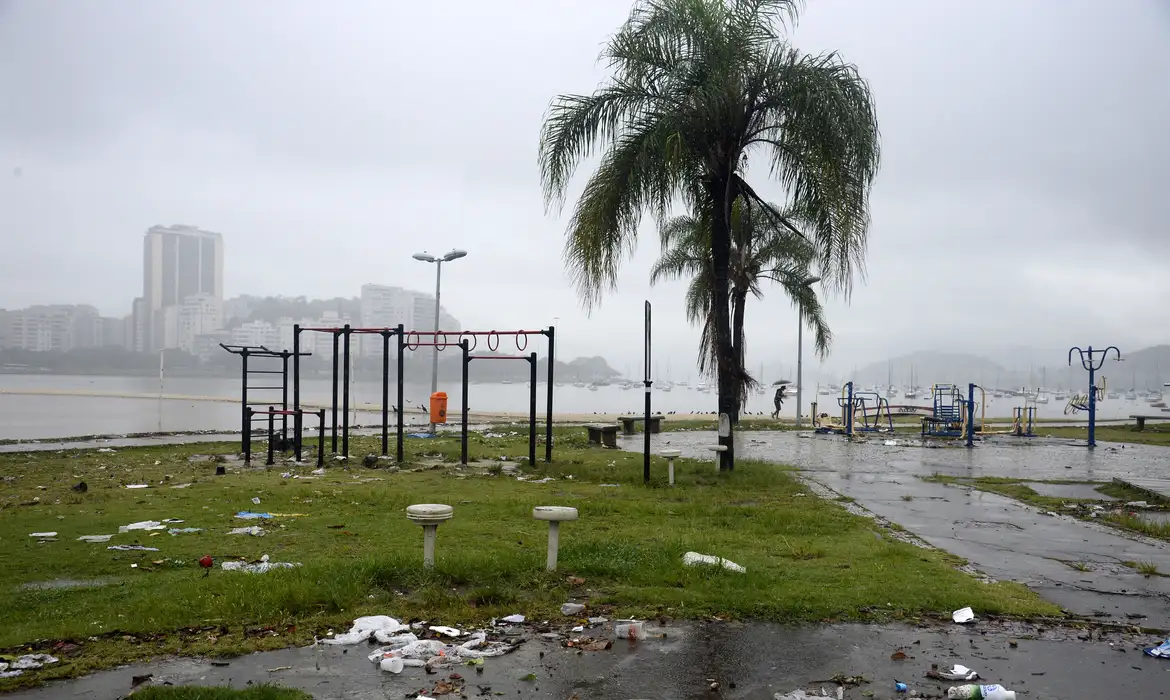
pixel 717 449
pixel 430 516
pixel 554 515
pixel 670 456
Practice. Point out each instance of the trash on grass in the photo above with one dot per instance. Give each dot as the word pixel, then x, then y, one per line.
pixel 380 627
pixel 24 663
pixel 249 515
pixel 572 609
pixel 431 652
pixel 513 619
pixel 131 548
pixel 42 534
pixel 255 500
pixel 254 530
pixel 142 525
pixel 137 486
pixel 258 568
pixel 94 538
pixel 696 559
pixel 598 620
pixel 183 530
pixel 963 616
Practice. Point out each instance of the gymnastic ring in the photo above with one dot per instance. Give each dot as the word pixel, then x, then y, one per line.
pixel 463 335
pixel 417 340
pixel 519 335
pixel 440 347
pixel 490 335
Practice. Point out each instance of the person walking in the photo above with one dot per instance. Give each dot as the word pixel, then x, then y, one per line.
pixel 778 400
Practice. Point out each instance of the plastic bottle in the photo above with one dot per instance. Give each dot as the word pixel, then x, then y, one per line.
pixel 980 692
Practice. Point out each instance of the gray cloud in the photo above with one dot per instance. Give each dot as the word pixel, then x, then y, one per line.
pixel 1021 200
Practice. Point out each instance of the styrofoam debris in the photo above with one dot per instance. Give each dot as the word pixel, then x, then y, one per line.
pixel 94 538
pixel 696 559
pixel 255 531
pixel 42 534
pixel 142 525
pixel 963 615
pixel 260 568
pixel 446 631
pixel 513 619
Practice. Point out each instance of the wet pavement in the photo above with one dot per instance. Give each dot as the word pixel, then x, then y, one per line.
pixel 1076 564
pixel 701 661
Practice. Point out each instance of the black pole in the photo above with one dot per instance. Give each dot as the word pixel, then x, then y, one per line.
pixel 398 450
pixel 336 355
pixel 284 400
pixel 464 408
pixel 271 435
pixel 298 423
pixel 248 436
pixel 647 381
pixel 298 427
pixel 245 417
pixel 970 415
pixel 321 440
pixel 385 393
pixel 345 398
pixel 548 418
pixel 532 408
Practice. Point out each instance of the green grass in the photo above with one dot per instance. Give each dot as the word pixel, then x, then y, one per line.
pixel 1154 433
pixel 197 692
pixel 808 560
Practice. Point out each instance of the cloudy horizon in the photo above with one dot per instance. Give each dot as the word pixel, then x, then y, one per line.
pixel 1018 203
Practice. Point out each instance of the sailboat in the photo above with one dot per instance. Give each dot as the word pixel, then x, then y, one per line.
pixel 912 392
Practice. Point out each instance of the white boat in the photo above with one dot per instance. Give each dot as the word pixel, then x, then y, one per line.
pixel 1131 395
pixel 579 384
pixel 592 387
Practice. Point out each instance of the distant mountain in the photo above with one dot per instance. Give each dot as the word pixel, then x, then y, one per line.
pixel 934 368
pixel 1144 369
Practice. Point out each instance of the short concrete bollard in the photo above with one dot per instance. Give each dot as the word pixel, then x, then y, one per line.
pixel 717 449
pixel 670 456
pixel 554 515
pixel 430 516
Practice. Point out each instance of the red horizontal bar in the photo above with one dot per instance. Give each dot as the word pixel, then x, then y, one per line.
pixel 457 333
pixel 411 346
pixel 373 330
pixel 499 357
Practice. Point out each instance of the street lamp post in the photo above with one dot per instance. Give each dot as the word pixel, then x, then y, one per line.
pixel 438 261
pixel 800 351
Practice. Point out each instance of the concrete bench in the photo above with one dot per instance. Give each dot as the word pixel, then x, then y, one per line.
pixel 1141 420
pixel 602 434
pixel 655 425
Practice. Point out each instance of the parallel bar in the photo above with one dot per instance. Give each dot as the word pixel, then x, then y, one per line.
pixel 336 351
pixel 532 409
pixel 499 357
pixel 345 399
pixel 271 430
pixel 245 418
pixel 538 332
pixel 321 440
pixel 401 381
pixel 265 371
pixel 548 419
pixel 465 409
pixel 299 423
pixel 385 393
pixel 284 402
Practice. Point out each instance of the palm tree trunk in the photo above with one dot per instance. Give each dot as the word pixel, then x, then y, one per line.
pixel 738 301
pixel 724 351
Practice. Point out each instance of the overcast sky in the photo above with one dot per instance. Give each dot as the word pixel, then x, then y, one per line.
pixel 1023 198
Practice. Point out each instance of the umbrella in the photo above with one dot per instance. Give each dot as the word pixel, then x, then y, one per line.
pixel 781 381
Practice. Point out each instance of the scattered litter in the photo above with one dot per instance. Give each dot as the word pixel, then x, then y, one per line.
pixel 900 687
pixel 279 668
pixel 963 616
pixel 131 548
pixel 695 559
pixel 598 620
pixel 981 692
pixel 611 486
pixel 572 609
pixel 105 449
pixel 254 530
pixel 80 487
pixel 285 475
pixel 42 534
pixel 183 530
pixel 799 694
pixel 260 568
pixel 24 663
pixel 1161 651
pixel 181 486
pixel 446 631
pixel 255 500
pixel 1137 504
pixel 898 655
pixel 392 664
pixel 172 521
pixel 318 472
pixel 957 673
pixel 249 515
pixel 142 525
pixel 431 652
pixel 629 629
pixel 589 644
pixel 137 486
pixel 513 619
pixel 578 629
pixel 891 443
pixel 380 627
pixel 94 538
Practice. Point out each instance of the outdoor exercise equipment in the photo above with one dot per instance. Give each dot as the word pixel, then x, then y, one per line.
pixel 1092 360
pixel 870 406
pixel 412 340
pixel 951 414
pixel 251 373
pixel 647 382
pixel 1024 419
pixel 272 412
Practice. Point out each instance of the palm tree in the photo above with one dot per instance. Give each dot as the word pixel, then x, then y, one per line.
pixel 696 87
pixel 761 251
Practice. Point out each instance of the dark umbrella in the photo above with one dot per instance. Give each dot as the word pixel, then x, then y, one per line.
pixel 781 381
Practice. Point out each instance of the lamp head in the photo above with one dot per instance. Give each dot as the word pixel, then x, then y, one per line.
pixel 425 257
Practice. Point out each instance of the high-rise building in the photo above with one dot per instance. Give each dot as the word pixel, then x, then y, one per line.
pixel 56 328
pixel 179 262
pixel 386 307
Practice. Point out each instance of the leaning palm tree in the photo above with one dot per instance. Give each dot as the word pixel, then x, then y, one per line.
pixel 761 251
pixel 696 88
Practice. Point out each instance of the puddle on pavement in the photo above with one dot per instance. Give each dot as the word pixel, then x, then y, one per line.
pixel 1087 491
pixel 987 524
pixel 64 584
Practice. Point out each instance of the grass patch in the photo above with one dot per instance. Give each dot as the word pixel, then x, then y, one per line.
pixel 1154 433
pixel 198 692
pixel 808 559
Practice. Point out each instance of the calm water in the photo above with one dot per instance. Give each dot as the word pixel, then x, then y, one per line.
pixel 41 416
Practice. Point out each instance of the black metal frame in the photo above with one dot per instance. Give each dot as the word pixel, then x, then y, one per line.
pixel 246 351
pixel 298 420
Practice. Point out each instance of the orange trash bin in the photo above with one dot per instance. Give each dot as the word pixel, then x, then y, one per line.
pixel 439 407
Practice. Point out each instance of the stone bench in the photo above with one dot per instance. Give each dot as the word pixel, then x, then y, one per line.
pixel 654 426
pixel 602 434
pixel 1141 420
